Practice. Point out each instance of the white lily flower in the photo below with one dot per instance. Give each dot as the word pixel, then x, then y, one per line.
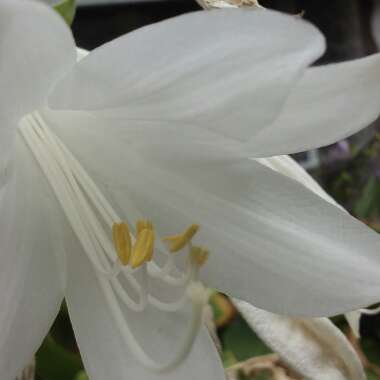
pixel 159 125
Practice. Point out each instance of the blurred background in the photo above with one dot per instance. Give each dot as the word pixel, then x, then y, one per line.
pixel 348 170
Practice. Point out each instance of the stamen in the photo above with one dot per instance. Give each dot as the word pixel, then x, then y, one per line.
pixel 122 242
pixel 199 256
pixel 142 225
pixel 143 248
pixel 112 249
pixel 177 242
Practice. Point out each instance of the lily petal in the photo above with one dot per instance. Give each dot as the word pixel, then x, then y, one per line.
pixel 227 71
pixel 287 166
pixel 329 103
pixel 273 242
pixel 353 319
pixel 36 49
pixel 30 283
pixel 104 351
pixel 315 348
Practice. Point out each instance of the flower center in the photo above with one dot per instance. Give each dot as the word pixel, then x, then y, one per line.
pixel 117 254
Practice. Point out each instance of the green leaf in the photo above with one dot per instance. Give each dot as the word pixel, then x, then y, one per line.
pixel 371 375
pixel 53 362
pixel 81 376
pixel 241 341
pixel 371 350
pixel 370 199
pixel 66 8
pixel 228 358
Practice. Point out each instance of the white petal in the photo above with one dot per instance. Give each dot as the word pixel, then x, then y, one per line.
pixel 36 49
pixel 227 71
pixel 353 319
pixel 104 351
pixel 273 241
pixel 289 167
pixel 30 281
pixel 315 348
pixel 328 104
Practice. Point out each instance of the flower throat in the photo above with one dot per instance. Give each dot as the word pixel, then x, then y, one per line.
pixel 116 253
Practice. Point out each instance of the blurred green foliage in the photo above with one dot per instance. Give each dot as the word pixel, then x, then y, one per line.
pixel 239 340
pixel 67 9
pixel 81 376
pixel 55 362
pixel 369 202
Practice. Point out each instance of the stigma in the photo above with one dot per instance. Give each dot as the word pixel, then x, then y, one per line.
pixel 126 257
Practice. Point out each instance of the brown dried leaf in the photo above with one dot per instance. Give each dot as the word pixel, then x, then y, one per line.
pixel 260 365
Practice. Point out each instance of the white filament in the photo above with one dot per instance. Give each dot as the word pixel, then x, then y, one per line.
pixel 83 203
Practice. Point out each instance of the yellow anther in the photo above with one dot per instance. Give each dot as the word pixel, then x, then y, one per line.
pixel 199 255
pixel 142 225
pixel 143 248
pixel 177 242
pixel 122 242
